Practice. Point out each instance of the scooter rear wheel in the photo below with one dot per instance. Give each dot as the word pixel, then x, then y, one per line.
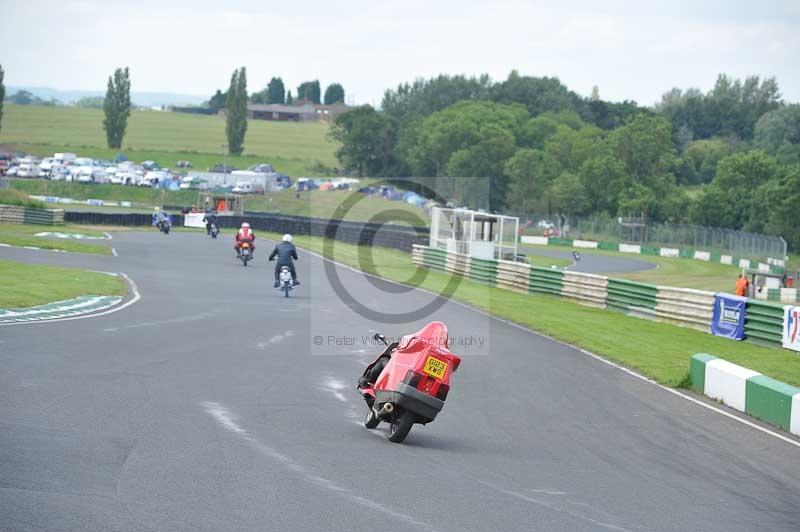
pixel 371 421
pixel 400 427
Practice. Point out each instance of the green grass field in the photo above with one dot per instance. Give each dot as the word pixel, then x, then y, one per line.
pixel 165 137
pixel 26 285
pixel 658 350
pixel 682 273
pixel 25 235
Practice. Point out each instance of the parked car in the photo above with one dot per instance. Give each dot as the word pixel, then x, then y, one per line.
pixel 150 165
pixel 305 183
pixel 59 172
pixel 83 161
pixel 65 158
pixel 28 170
pixel 245 187
pixel 263 168
pixel 3 166
pixel 46 166
pixel 222 169
pixel 184 164
pixel 12 170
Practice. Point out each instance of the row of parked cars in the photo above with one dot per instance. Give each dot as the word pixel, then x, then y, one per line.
pixel 69 167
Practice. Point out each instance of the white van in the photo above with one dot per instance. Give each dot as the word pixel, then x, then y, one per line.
pixel 245 187
pixel 64 158
pixel 28 170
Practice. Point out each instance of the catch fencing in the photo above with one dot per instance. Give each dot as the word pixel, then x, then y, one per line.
pixel 685 307
pixel 650 234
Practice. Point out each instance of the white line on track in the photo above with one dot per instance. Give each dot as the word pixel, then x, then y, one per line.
pixel 136 297
pixel 114 252
pixel 587 353
pixel 227 420
pixel 108 235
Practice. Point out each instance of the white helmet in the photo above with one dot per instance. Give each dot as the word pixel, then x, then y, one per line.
pixel 245 225
pixel 287 237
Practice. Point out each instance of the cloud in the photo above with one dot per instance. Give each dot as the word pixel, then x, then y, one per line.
pixel 630 50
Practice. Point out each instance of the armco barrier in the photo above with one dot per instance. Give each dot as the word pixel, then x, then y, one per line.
pixel 482 270
pixel 685 306
pixel 747 391
pixel 764 322
pixel 585 288
pixel 546 281
pixel 632 297
pixel 13 214
pixel 514 276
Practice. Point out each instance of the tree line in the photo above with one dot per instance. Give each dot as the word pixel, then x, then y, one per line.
pixel 275 92
pixel 541 148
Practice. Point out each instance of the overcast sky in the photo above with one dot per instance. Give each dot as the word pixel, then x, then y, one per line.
pixel 630 50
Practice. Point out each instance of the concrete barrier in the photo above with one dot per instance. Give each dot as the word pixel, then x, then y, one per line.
pixel 746 390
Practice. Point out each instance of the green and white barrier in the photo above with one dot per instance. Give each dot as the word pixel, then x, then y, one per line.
pixel 680 306
pixel 60 309
pixel 746 390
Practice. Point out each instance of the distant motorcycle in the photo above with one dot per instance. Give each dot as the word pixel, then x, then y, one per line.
pixel 576 255
pixel 286 282
pixel 164 227
pixel 245 253
pixel 213 230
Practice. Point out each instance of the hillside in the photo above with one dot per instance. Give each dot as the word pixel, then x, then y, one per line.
pixel 293 148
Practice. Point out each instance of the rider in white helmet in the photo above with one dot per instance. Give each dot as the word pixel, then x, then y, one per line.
pixel 244 234
pixel 286 254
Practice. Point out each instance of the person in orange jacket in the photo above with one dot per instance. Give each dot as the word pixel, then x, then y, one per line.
pixel 741 285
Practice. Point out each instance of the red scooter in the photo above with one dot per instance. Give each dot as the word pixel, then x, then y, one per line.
pixel 408 383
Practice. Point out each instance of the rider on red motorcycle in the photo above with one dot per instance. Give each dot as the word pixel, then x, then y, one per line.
pixel 245 234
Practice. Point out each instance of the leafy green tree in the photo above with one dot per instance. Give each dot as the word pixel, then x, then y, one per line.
pixel 539 95
pixel 730 199
pixel 778 128
pixel 289 98
pixel 458 127
pixel 536 131
pixel 604 178
pixel 309 90
pixel 530 173
pixel 783 200
pixel 568 196
pixel 22 98
pixel 704 155
pixel 366 139
pixel 424 97
pixel 571 148
pixel 236 111
pixel 117 107
pixel 217 101
pixel 276 91
pixel 334 93
pixel 2 94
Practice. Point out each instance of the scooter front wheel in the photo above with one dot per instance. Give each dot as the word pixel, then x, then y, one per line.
pixel 371 421
pixel 400 427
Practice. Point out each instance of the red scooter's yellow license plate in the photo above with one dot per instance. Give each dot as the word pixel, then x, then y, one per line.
pixel 435 367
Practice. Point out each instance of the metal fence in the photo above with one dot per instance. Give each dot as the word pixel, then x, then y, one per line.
pixel 717 239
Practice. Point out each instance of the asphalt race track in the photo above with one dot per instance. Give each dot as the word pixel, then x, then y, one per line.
pixel 208 405
pixel 590 263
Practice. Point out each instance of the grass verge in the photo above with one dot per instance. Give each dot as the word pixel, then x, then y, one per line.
pixel 25 235
pixel 658 350
pixel 26 285
pixel 19 199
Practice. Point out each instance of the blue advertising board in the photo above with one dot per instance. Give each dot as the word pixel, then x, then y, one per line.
pixel 729 314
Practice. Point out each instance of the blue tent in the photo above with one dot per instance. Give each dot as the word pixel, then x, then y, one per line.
pixel 121 157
